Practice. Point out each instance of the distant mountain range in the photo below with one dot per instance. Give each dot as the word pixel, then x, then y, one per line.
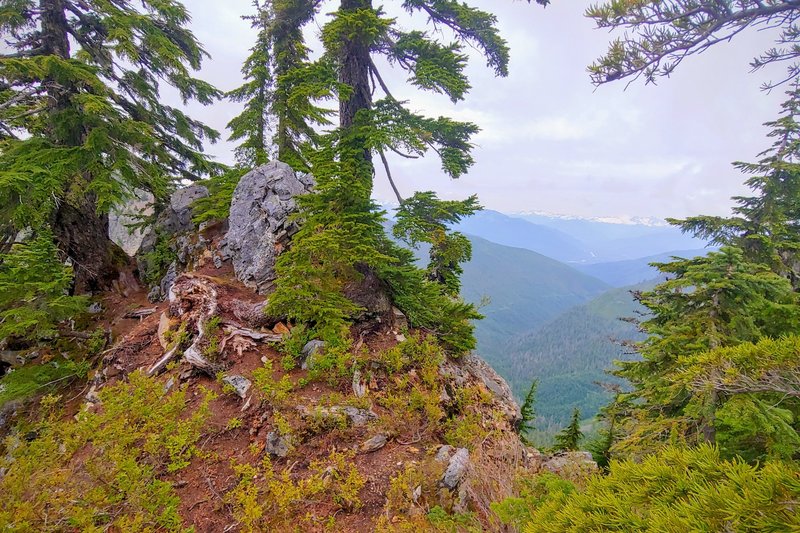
pixel 632 271
pixel 519 233
pixel 578 241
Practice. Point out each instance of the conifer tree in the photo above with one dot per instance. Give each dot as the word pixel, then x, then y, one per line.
pixel 281 86
pixel 83 122
pixel 251 126
pixel 766 226
pixel 609 417
pixel 528 412
pixel 342 235
pixel 711 302
pixel 570 437
pixel 425 218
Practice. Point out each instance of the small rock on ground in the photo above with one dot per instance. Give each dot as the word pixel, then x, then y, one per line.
pixel 240 384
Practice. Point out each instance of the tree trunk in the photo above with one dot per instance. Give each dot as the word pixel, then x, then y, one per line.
pixel 55 40
pixel 354 72
pixel 81 233
pixel 355 62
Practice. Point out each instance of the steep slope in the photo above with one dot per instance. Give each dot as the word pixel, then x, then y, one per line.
pixel 206 412
pixel 518 233
pixel 633 271
pixel 568 354
pixel 525 290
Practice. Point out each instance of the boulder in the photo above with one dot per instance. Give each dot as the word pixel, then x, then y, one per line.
pixel 177 217
pixel 456 469
pixel 122 217
pixel 311 351
pixel 160 291
pixel 374 444
pixel 570 465
pixel 399 320
pixel 240 384
pixel 444 453
pixel 355 416
pixel 174 219
pixel 174 223
pixel 259 227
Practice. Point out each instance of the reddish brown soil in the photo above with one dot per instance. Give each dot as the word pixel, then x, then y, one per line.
pixel 202 485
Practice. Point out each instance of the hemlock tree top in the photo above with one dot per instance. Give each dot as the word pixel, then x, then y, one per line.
pixel 82 122
pixel 281 87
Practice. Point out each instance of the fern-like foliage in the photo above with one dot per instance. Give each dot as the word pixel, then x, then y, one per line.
pixel 425 218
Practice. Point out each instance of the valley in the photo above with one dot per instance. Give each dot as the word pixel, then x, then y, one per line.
pixel 556 321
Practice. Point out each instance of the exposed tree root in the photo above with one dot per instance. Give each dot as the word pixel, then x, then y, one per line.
pixel 194 300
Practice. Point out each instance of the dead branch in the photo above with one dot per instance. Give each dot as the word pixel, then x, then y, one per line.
pixel 140 313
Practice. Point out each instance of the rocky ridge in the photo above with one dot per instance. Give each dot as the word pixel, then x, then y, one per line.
pixel 391 421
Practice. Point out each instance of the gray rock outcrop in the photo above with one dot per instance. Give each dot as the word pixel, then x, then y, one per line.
pixel 471 368
pixel 499 387
pixel 259 227
pixel 456 469
pixel 175 218
pixel 123 217
pixel 174 223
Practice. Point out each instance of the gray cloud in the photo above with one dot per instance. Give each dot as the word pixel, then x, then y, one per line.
pixel 550 141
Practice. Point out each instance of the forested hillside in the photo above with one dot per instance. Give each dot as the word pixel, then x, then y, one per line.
pixel 571 353
pixel 524 291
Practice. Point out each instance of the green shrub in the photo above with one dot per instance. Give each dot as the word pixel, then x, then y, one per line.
pixel 677 489
pixel 35 290
pixel 155 263
pixel 101 470
pixel 217 205
pixel 28 380
pixel 276 391
pixel 532 492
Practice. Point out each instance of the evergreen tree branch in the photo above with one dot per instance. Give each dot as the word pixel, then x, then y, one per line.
pixel 389 175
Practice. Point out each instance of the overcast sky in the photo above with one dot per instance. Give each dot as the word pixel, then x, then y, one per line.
pixel 550 141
